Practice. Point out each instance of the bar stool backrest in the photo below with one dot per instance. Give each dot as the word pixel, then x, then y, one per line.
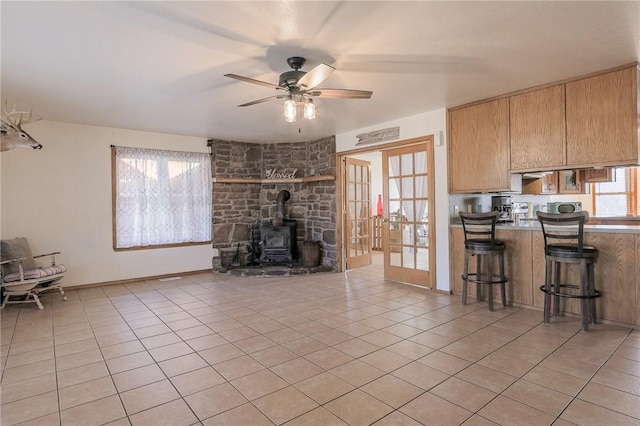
pixel 567 228
pixel 480 226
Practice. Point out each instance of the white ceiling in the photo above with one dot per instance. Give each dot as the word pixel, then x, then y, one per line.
pixel 158 66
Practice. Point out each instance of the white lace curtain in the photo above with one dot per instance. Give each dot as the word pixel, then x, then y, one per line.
pixel 416 166
pixel 161 197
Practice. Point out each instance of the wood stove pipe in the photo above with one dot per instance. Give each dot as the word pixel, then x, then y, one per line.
pixel 282 197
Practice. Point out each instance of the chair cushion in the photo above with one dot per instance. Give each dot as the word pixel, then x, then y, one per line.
pixel 15 249
pixel 36 274
pixel 483 244
pixel 570 251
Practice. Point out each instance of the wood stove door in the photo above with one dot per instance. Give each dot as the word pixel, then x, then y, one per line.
pixel 408 213
pixel 358 212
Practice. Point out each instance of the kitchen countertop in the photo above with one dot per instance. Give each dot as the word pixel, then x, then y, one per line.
pixel 530 225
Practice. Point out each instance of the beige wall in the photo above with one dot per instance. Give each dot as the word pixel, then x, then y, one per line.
pixel 60 198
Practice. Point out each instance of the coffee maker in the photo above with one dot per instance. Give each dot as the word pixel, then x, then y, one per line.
pixel 502 204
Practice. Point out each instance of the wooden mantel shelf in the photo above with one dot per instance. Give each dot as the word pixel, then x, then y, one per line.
pixel 267 181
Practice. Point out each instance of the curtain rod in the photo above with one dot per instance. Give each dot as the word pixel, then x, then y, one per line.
pixel 156 149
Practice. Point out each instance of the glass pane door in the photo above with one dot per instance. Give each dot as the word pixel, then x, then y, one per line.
pixel 408 189
pixel 358 212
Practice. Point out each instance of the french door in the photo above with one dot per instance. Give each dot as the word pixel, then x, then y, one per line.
pixel 408 215
pixel 358 212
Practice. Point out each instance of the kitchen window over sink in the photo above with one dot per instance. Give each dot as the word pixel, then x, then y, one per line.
pixel 618 197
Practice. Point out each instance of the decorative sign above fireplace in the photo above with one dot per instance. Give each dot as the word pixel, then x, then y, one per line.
pixel 274 174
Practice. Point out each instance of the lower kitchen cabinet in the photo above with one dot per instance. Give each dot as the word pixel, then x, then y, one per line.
pixel 518 267
pixel 617 271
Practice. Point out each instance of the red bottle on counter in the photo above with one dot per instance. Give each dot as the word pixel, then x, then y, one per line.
pixel 380 205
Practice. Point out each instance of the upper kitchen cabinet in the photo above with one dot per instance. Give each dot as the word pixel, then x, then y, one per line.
pixel 537 130
pixel 479 147
pixel 546 184
pixel 602 119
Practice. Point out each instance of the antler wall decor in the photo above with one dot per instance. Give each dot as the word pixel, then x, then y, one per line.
pixel 12 134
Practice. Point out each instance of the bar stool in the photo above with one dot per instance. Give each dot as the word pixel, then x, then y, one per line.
pixel 479 240
pixel 564 244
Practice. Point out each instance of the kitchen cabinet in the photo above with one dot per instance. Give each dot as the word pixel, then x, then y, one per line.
pixel 570 182
pixel 574 124
pixel 602 119
pixel 597 175
pixel 547 184
pixel 479 147
pixel 537 129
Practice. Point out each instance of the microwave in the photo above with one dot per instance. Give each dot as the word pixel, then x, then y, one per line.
pixel 564 207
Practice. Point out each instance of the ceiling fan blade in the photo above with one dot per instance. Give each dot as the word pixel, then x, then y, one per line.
pixel 259 101
pixel 251 80
pixel 340 93
pixel 315 76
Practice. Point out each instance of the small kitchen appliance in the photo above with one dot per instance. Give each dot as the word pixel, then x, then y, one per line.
pixel 520 213
pixel 564 207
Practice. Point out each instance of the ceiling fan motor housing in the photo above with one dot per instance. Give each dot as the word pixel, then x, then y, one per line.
pixel 290 78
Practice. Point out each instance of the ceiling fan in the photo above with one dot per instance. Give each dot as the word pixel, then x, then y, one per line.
pixel 299 87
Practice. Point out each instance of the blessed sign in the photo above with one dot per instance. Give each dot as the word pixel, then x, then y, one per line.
pixel 273 174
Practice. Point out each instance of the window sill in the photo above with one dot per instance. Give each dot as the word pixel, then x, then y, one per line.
pixel 619 220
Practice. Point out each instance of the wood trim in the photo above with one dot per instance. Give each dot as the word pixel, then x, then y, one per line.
pixel 307 179
pixel 113 197
pixel 390 145
pixel 340 212
pixel 627 221
pixel 134 280
pixel 632 190
pixel 546 85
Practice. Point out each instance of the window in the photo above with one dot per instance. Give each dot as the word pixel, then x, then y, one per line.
pixel 617 198
pixel 160 198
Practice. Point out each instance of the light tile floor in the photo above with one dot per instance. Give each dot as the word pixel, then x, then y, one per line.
pixel 329 349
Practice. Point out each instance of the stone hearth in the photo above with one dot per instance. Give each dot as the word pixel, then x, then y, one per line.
pixel 273 270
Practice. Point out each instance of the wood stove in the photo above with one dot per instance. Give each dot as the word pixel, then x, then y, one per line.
pixel 278 238
pixel 278 243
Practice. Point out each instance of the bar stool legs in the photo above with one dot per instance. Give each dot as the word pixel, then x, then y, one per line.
pixel 484 276
pixel 584 291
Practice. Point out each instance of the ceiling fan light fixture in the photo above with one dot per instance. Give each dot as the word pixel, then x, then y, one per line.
pixel 290 110
pixel 309 110
pixel 300 86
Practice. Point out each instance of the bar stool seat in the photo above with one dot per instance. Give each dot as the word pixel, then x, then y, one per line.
pixel 484 245
pixel 570 251
pixel 557 229
pixel 480 241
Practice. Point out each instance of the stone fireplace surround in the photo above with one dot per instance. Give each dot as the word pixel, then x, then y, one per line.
pixel 243 197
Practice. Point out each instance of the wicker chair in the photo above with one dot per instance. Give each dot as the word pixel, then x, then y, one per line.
pixel 22 280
